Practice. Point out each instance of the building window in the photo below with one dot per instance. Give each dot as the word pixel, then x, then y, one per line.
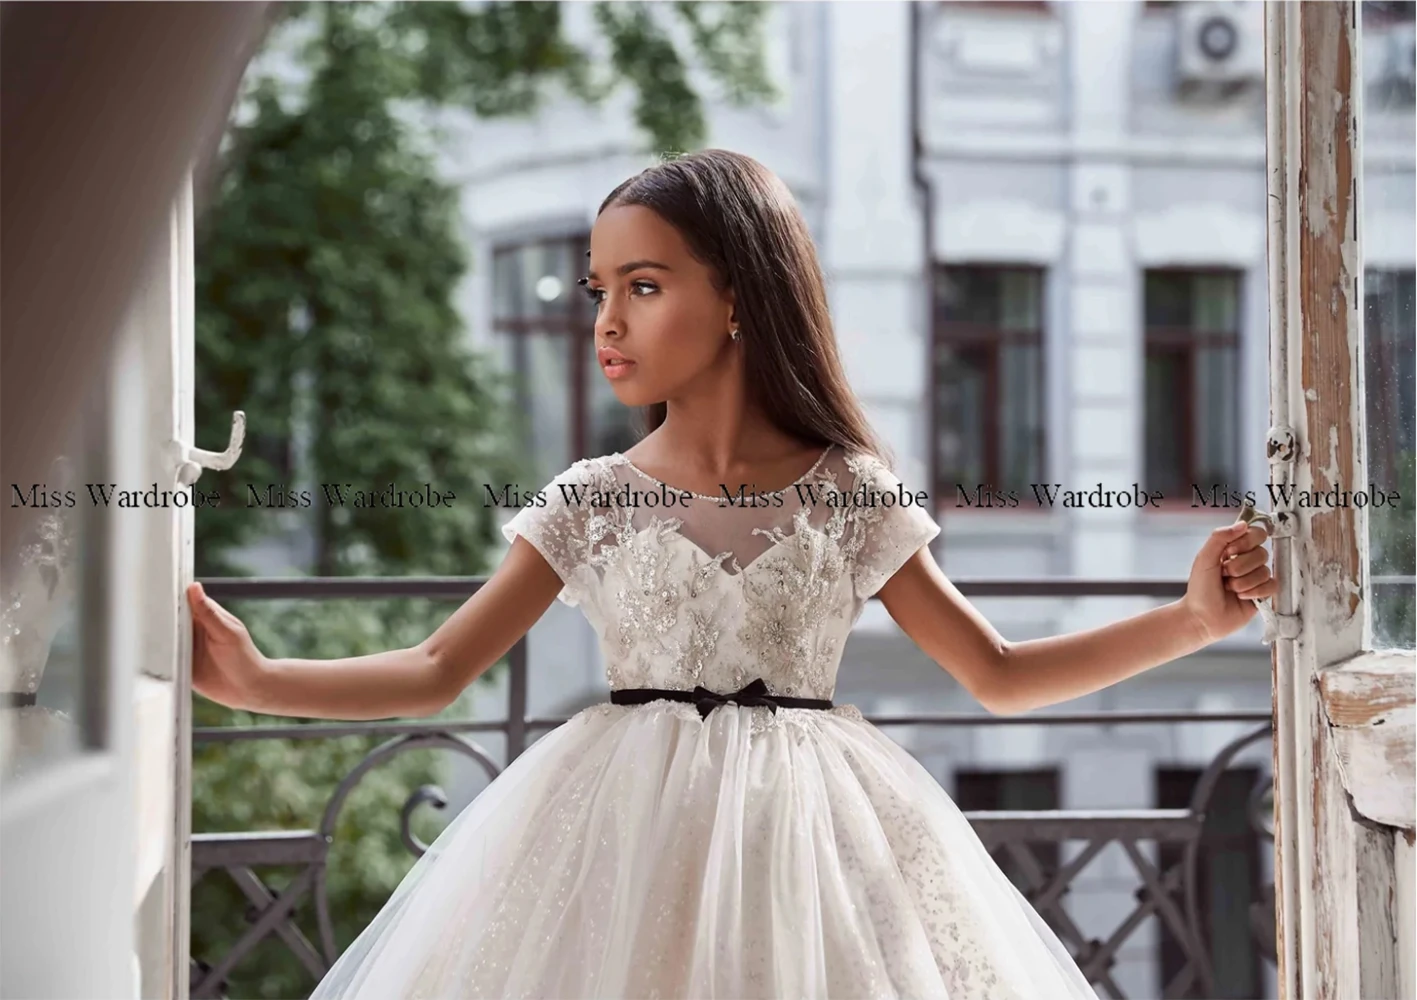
pixel 1228 881
pixel 544 330
pixel 988 379
pixel 1006 791
pixel 1192 382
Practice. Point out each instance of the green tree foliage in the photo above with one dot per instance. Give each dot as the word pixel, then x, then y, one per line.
pixel 1393 553
pixel 287 784
pixel 326 272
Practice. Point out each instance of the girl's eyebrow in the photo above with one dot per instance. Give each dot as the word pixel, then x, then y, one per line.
pixel 634 265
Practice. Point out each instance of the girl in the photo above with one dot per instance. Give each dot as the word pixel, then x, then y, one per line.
pixel 719 828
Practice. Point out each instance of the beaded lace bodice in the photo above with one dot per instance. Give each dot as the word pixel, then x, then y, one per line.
pixel 687 589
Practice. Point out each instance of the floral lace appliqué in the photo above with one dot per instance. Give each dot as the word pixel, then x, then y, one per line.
pixel 670 615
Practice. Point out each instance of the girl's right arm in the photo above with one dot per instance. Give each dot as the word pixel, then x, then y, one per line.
pixel 418 681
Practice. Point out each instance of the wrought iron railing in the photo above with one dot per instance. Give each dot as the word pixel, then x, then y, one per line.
pixel 1170 893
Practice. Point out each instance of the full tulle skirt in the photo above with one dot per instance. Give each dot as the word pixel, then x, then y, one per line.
pixel 644 851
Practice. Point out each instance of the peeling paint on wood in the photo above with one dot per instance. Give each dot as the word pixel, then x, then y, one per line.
pixel 1371 706
pixel 1377 912
pixel 1405 866
pixel 1331 941
pixel 1328 309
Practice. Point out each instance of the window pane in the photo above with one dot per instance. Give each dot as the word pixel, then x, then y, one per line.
pixel 1389 322
pixel 1166 387
pixel 1388 329
pixel 960 396
pixel 1168 299
pixel 541 318
pixel 1003 298
pixel 1215 302
pixel 1202 301
pixel 989 385
pixel 539 372
pixel 536 281
pixel 1217 418
pixel 1021 417
pixel 52 677
pixel 1192 381
pixel 1020 301
pixel 506 284
pixel 966 295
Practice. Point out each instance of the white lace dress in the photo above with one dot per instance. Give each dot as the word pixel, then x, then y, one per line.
pixel 661 850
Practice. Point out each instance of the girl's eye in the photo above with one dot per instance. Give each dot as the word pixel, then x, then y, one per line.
pixel 641 287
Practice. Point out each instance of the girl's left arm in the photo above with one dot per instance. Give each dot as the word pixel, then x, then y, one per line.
pixel 1231 569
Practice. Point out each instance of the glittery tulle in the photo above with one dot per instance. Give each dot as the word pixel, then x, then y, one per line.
pixel 639 851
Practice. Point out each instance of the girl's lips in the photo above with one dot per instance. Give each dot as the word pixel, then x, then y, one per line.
pixel 616 368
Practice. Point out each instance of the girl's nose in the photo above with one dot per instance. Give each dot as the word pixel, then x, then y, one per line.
pixel 608 323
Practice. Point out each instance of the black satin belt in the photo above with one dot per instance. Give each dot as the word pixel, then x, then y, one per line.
pixel 755 693
pixel 18 699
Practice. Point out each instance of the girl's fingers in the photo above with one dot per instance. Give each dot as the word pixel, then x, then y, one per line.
pixel 202 606
pixel 1247 542
pixel 215 610
pixel 1267 589
pixel 1249 581
pixel 209 616
pixel 1245 563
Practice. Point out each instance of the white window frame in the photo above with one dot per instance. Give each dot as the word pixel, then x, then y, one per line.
pixel 1344 798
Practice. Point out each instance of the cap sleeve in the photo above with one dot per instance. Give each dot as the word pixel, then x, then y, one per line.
pixel 557 523
pixel 889 532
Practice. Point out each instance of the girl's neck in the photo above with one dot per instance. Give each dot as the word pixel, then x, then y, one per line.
pixel 713 447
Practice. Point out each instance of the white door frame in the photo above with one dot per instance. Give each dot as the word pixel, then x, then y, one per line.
pixel 95 848
pixel 162 322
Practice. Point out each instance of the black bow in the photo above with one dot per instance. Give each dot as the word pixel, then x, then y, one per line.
pixel 755 693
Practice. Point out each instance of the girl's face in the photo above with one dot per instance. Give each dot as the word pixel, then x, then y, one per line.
pixel 660 323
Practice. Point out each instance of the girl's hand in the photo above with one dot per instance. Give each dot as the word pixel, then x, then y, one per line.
pixel 1229 573
pixel 226 665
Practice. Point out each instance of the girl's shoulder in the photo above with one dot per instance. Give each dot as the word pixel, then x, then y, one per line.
pixel 591 468
pixel 857 463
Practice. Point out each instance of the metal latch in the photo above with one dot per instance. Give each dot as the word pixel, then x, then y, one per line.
pixel 191 461
pixel 1282 448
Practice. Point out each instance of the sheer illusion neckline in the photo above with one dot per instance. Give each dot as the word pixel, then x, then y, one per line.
pixel 701 496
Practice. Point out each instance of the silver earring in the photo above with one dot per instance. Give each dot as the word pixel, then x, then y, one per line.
pixel 735 334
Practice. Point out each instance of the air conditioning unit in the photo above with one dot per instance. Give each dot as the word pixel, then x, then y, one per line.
pixel 1220 43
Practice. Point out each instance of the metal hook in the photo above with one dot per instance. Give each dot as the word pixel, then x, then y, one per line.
pixel 191 461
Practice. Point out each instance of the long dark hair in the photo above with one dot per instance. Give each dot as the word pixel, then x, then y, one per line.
pixel 741 221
